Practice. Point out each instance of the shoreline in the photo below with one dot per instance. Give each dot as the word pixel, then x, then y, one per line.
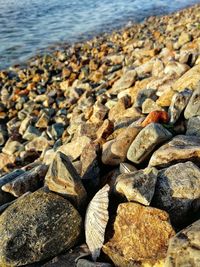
pixel 100 150
pixel 60 45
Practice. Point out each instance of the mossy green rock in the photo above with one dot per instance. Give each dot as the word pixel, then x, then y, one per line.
pixel 36 227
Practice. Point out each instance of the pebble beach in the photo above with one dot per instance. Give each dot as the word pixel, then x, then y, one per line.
pixel 100 150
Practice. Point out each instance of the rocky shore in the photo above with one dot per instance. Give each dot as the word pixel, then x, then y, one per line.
pixel 100 151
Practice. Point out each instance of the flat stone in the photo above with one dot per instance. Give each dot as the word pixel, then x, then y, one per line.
pixel 75 148
pixel 193 107
pixel 179 102
pixel 6 159
pixel 178 192
pixel 137 186
pixel 12 147
pixel 184 247
pixel 39 144
pixel 150 105
pixel 143 95
pixel 180 149
pixel 145 142
pixel 193 126
pixel 145 229
pixel 31 132
pixel 189 79
pixel 63 178
pixel 126 81
pixel 29 235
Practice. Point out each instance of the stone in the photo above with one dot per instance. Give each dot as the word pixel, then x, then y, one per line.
pixel 28 181
pixel 55 131
pixel 152 135
pixel 178 192
pixel 165 98
pixel 143 95
pixel 149 105
pixel 87 263
pixel 105 129
pixel 178 104
pixel 11 147
pixel 193 126
pixel 125 167
pixel 184 38
pixel 126 81
pixel 90 169
pixel 175 68
pixel 184 247
pixel 123 141
pixel 75 148
pixel 37 227
pixel 180 149
pixel 137 186
pixel 145 229
pixel 107 157
pixel 3 135
pixel 39 144
pixel 43 121
pixel 6 160
pixel 188 80
pixel 87 129
pixel 193 107
pixel 63 178
pixel 119 108
pixel 30 133
pixel 24 124
pixel 155 116
pixel 99 112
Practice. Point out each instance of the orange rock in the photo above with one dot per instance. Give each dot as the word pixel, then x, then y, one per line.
pixel 156 116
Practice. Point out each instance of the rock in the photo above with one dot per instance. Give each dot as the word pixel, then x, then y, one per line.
pixel 178 192
pixel 126 81
pixel 193 126
pixel 29 235
pixel 166 97
pixel 189 79
pixel 75 148
pixel 175 68
pixel 119 108
pixel 88 129
pixel 184 38
pixel 179 102
pixel 43 121
pixel 11 147
pixel 138 186
pixel 180 149
pixel 24 124
pixel 145 229
pixel 105 129
pixel 31 133
pixel 155 116
pixel 87 263
pixel 55 131
pixel 3 135
pixel 126 168
pixel 99 112
pixel 149 105
pixel 145 142
pixel 90 169
pixel 109 158
pixel 193 107
pixel 38 144
pixel 6 160
pixel 27 181
pixel 184 247
pixel 143 95
pixel 63 178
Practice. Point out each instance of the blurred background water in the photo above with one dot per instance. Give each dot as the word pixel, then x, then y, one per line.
pixel 28 26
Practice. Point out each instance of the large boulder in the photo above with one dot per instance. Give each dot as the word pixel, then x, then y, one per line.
pixel 141 236
pixel 184 248
pixel 37 227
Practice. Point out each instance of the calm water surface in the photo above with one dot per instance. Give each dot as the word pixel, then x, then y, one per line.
pixel 28 26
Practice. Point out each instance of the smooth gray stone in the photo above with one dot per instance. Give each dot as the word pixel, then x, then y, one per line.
pixel 178 103
pixel 193 107
pixel 184 247
pixel 137 186
pixel 193 126
pixel 178 192
pixel 145 142
pixel 37 227
pixel 143 95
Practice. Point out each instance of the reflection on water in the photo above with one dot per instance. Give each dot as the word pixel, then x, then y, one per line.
pixel 27 26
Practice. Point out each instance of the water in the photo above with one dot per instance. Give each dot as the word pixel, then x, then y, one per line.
pixel 27 26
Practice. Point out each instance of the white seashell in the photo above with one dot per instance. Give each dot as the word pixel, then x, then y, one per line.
pixel 96 220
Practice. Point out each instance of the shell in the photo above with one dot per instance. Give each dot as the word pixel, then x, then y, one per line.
pixel 96 220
